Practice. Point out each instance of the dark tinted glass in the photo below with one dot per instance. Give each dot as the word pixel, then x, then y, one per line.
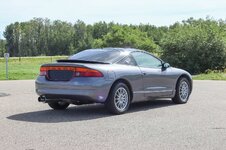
pixel 100 55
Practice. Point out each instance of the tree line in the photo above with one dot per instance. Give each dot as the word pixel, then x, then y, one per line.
pixel 193 44
pixel 43 37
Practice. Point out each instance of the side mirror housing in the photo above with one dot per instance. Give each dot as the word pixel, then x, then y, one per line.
pixel 165 65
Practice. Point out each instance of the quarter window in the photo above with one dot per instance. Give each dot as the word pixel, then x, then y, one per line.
pixel 128 61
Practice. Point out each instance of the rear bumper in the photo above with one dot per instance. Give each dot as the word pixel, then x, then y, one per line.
pixel 78 89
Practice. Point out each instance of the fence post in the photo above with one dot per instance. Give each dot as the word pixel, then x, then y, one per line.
pixel 6 55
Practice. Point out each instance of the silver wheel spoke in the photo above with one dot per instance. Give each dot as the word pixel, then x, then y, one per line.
pixel 121 98
pixel 184 91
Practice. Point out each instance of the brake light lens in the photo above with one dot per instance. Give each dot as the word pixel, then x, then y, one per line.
pixel 77 71
pixel 86 72
pixel 43 71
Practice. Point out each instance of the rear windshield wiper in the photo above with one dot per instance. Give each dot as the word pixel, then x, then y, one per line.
pixel 81 61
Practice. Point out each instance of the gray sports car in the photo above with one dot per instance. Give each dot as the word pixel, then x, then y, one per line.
pixel 115 77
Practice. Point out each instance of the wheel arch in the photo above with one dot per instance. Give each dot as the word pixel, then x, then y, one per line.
pixel 126 82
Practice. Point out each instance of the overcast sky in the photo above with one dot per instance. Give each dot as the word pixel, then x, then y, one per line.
pixel 156 12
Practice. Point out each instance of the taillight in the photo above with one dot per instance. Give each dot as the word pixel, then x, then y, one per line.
pixel 43 71
pixel 78 71
pixel 86 72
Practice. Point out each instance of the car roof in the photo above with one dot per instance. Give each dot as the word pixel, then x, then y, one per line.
pixel 123 51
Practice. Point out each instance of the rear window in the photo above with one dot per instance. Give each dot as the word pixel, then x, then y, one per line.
pixel 99 55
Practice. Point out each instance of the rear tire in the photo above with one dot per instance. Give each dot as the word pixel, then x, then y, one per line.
pixel 183 90
pixel 58 105
pixel 118 101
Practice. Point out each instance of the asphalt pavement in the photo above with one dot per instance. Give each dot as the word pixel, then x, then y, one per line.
pixel 26 124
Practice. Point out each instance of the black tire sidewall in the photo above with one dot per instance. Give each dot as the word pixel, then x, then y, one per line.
pixel 177 98
pixel 111 103
pixel 57 106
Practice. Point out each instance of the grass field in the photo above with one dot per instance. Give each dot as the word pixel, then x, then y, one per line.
pixel 211 76
pixel 25 67
pixel 28 68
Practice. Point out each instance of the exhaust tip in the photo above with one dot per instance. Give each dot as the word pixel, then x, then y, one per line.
pixel 42 99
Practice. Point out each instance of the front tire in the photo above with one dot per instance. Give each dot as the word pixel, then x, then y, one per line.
pixel 183 90
pixel 118 101
pixel 58 105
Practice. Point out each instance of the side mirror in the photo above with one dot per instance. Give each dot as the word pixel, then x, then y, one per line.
pixel 165 65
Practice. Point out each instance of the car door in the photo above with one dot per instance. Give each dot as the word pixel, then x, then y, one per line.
pixel 156 82
pixel 134 76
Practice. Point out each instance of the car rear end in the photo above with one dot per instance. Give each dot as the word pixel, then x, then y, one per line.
pixel 73 82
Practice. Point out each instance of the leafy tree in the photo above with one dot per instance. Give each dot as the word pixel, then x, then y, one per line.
pixel 156 33
pixel 98 43
pixel 2 47
pixel 124 36
pixel 195 45
pixel 82 38
pixel 61 35
pixel 11 35
pixel 99 30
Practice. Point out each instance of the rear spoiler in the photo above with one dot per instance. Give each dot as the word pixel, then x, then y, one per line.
pixel 81 61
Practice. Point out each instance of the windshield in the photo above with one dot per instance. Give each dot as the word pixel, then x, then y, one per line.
pixel 99 55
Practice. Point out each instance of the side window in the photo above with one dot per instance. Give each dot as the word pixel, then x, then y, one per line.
pixel 146 60
pixel 128 61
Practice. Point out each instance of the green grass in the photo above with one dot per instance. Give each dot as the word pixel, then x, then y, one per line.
pixel 210 76
pixel 24 67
